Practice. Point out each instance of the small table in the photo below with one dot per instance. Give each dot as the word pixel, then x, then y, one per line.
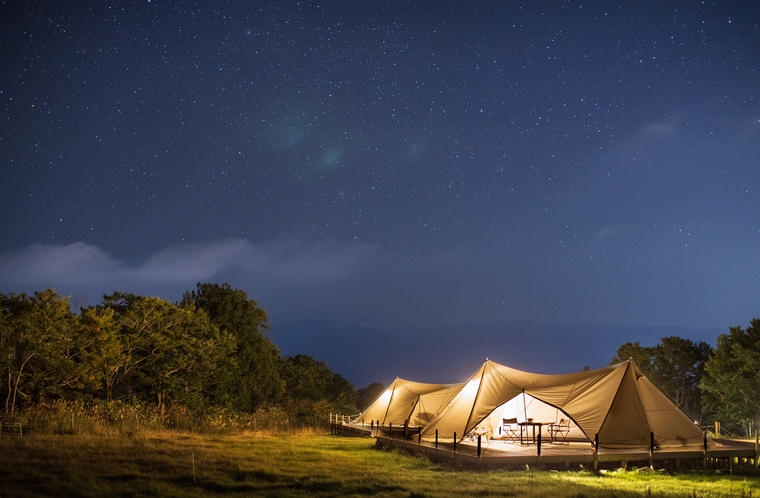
pixel 524 429
pixel 480 432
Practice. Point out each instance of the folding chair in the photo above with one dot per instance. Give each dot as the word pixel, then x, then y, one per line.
pixel 509 428
pixel 561 429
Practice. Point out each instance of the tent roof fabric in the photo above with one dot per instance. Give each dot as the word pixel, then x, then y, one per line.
pixel 617 403
pixel 405 401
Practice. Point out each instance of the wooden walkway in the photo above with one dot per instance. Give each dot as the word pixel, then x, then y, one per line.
pixel 721 454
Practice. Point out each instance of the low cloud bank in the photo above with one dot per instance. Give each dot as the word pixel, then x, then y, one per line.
pixel 80 264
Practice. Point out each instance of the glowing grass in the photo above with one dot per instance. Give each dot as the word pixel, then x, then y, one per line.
pixel 298 466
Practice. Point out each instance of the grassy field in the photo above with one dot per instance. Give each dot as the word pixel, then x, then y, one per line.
pixel 169 464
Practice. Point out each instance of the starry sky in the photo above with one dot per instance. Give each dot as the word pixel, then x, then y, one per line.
pixel 392 164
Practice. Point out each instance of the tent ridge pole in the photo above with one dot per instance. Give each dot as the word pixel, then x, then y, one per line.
pixel 390 400
pixel 477 395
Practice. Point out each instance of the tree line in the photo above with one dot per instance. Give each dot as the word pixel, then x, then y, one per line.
pixel 211 350
pixel 208 350
pixel 707 384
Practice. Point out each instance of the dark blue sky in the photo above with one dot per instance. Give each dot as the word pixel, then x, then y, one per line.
pixel 389 163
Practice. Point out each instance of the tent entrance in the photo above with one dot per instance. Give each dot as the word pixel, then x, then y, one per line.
pixel 523 408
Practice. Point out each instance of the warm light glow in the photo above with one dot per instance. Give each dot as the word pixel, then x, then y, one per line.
pixel 471 389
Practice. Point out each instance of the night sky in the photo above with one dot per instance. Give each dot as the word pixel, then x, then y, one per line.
pixel 389 167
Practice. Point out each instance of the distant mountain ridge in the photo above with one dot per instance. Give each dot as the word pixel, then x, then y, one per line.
pixel 451 352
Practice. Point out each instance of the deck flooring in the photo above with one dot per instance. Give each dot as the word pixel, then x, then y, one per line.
pixel 720 454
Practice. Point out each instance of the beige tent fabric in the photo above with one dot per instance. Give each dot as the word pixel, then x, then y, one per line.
pixel 665 418
pixel 407 401
pixel 617 402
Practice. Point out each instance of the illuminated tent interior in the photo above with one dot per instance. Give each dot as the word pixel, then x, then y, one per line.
pixel 524 407
pixel 617 403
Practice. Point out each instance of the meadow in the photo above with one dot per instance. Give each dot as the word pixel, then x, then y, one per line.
pixel 309 464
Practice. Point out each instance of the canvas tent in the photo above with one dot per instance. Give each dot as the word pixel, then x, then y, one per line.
pixel 409 402
pixel 617 402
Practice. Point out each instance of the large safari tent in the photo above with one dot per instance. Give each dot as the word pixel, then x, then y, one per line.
pixel 616 405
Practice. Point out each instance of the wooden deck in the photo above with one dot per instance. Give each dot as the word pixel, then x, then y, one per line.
pixel 721 454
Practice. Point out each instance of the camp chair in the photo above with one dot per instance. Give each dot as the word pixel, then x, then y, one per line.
pixel 509 428
pixel 560 429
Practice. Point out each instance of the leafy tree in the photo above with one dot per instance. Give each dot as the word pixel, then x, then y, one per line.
pixel 679 366
pixel 171 352
pixel 256 380
pixel 366 395
pixel 209 349
pixel 307 379
pixel 108 357
pixel 731 384
pixel 40 347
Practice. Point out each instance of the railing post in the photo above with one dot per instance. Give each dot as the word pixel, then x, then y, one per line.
pixel 538 443
pixel 651 450
pixel 436 439
pixel 479 445
pixel 455 442
pixel 419 436
pixel 596 451
pixel 704 451
pixel 390 430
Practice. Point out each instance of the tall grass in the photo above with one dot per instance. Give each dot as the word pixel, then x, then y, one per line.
pixel 120 418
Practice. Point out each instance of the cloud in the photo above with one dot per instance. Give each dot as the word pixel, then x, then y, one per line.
pixel 40 264
pixel 660 129
pixel 80 263
pixel 291 259
pixel 195 261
